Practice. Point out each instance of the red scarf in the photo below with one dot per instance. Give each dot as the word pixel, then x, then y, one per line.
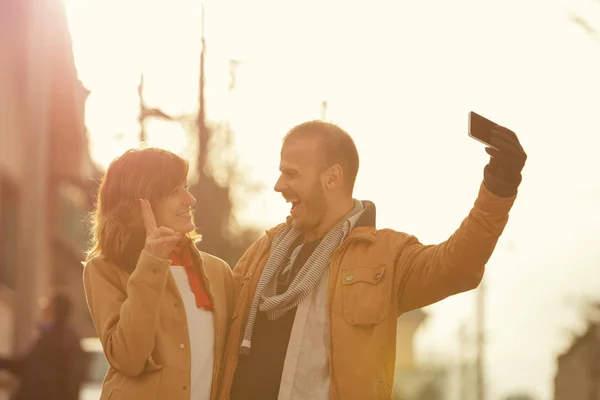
pixel 182 255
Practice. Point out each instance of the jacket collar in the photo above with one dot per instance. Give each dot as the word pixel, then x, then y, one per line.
pixel 364 228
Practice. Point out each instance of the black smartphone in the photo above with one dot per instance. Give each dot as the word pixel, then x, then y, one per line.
pixel 480 128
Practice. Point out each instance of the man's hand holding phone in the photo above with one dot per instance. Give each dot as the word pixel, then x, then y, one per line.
pixel 507 157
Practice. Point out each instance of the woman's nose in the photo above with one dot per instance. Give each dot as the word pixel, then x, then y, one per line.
pixel 191 200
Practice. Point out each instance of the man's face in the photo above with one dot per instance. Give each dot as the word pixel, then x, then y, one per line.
pixel 300 182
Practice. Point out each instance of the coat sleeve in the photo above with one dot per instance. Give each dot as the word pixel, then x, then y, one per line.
pixel 428 274
pixel 126 320
pixel 244 263
pixel 226 280
pixel 229 289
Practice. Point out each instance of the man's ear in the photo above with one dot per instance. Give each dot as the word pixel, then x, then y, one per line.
pixel 333 177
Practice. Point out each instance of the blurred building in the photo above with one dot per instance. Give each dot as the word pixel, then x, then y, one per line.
pixel 578 371
pixel 414 381
pixel 46 175
pixel 408 324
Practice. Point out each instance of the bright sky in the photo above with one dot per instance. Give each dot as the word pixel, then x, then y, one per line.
pixel 401 78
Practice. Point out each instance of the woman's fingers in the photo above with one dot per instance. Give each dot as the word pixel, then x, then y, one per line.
pixel 164 231
pixel 162 240
pixel 161 232
pixel 148 216
pixel 159 240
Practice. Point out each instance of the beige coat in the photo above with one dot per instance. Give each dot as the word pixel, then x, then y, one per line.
pixel 141 322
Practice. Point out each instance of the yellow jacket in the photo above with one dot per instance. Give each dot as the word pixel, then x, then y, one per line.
pixel 141 322
pixel 375 276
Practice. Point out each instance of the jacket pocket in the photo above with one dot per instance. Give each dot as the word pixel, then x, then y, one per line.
pixel 365 294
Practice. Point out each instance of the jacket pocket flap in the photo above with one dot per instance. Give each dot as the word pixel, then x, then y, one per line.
pixel 367 274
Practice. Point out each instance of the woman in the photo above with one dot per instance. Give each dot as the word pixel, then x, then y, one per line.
pixel 160 307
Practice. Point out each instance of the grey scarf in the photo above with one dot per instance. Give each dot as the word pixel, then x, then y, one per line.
pixel 266 298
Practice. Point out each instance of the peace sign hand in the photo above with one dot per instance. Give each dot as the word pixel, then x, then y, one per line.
pixel 159 240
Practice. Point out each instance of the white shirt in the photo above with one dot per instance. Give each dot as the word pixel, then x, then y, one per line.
pixel 202 338
pixel 306 368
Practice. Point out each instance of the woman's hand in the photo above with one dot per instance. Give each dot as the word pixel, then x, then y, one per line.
pixel 159 240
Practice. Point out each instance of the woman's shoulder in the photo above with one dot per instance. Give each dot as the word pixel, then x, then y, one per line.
pixel 214 261
pixel 100 265
pixel 96 261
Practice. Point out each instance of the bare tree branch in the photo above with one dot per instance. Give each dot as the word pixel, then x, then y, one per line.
pixel 585 25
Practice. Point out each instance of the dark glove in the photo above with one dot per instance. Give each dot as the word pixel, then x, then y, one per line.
pixel 502 175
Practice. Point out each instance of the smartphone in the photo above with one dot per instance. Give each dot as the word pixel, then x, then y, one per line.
pixel 480 128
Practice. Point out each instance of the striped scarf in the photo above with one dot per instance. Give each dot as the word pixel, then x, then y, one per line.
pixel 266 298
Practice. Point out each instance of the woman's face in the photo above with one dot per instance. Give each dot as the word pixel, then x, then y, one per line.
pixel 175 210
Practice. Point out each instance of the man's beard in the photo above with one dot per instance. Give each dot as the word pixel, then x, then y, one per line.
pixel 314 210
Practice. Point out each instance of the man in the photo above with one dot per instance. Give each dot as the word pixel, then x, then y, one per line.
pixel 318 296
pixel 54 368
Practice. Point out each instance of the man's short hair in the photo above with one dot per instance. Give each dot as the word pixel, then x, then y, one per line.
pixel 338 146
